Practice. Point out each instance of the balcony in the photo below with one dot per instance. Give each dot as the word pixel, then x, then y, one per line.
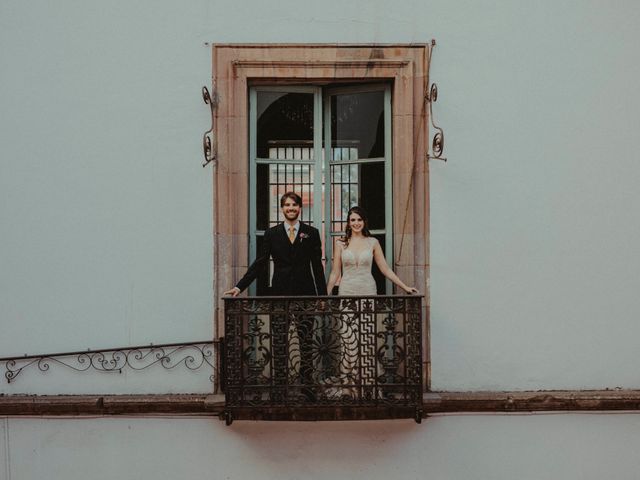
pixel 323 358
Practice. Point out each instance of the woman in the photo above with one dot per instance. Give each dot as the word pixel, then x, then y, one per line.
pixel 354 257
pixel 352 262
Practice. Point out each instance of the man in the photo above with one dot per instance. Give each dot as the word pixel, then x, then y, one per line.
pixel 296 251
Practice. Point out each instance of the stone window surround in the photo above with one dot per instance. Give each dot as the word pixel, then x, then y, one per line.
pixel 236 66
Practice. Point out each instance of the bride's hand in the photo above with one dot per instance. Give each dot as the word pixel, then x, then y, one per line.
pixel 411 290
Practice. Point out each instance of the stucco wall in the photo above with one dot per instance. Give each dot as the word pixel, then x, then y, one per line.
pixel 105 211
pixel 485 447
pixel 105 218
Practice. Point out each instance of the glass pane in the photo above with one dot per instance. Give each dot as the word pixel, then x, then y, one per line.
pixel 358 184
pixel 357 125
pixel 285 125
pixel 345 189
pixel 372 195
pixel 273 181
pixel 262 196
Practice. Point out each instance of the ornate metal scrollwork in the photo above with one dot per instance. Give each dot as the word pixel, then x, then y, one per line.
pixel 431 96
pixel 208 141
pixel 322 352
pixel 193 356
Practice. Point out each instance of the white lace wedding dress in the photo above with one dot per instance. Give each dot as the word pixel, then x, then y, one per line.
pixel 356 271
pixel 357 280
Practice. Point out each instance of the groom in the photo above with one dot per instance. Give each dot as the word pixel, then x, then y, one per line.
pixel 296 250
pixel 297 255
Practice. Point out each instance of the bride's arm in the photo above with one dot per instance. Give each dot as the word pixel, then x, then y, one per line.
pixel 378 256
pixel 336 268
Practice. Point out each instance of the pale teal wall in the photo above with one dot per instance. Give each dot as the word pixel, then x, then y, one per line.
pixel 105 211
pixel 105 225
pixel 539 447
pixel 535 228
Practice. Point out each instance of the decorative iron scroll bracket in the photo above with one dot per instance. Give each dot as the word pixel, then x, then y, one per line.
pixel 192 355
pixel 430 97
pixel 208 141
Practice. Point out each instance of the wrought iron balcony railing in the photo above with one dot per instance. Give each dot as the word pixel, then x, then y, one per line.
pixel 323 357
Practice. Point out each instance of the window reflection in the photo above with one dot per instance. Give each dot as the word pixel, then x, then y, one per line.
pixel 359 118
pixel 283 117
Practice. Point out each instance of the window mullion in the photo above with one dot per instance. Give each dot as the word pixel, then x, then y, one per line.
pixel 388 170
pixel 328 190
pixel 253 153
pixel 317 157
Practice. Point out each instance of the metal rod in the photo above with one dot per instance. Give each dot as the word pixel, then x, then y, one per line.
pixel 102 350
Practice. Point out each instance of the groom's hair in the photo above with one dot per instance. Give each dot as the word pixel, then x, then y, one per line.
pixel 293 196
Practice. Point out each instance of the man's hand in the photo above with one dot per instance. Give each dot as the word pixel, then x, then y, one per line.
pixel 234 292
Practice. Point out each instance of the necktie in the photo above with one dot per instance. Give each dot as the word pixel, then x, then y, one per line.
pixel 292 234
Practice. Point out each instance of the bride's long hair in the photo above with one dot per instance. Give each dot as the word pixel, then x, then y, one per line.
pixel 347 231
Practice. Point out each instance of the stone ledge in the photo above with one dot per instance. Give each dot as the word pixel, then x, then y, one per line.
pixel 213 405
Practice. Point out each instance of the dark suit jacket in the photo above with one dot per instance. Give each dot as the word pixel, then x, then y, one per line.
pixel 297 267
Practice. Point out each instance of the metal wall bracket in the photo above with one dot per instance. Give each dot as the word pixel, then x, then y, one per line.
pixel 430 97
pixel 209 145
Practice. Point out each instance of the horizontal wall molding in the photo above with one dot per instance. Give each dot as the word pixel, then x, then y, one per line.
pixel 192 404
pixel 213 405
pixel 318 45
pixel 539 401
pixel 320 64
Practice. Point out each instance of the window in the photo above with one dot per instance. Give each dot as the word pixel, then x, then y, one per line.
pixel 289 128
pixel 279 108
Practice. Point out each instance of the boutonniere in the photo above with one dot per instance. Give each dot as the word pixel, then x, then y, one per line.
pixel 303 236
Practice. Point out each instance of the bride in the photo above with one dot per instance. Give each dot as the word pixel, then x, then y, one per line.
pixel 354 256
pixel 352 262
